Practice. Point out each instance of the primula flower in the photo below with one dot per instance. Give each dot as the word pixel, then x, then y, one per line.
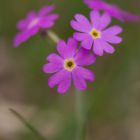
pixel 95 34
pixel 112 9
pixel 68 65
pixel 34 23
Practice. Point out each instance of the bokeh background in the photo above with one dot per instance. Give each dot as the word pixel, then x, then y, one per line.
pixel 112 103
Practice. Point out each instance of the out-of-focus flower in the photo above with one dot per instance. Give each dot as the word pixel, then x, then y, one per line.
pixel 112 9
pixel 95 34
pixel 68 65
pixel 34 23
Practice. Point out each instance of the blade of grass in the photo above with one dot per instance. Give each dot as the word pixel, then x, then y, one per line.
pixel 28 125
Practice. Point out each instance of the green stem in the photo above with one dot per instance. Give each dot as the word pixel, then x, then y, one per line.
pixel 53 36
pixel 80 116
pixel 28 125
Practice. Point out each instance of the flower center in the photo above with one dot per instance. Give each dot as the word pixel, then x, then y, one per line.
pixel 95 33
pixel 33 23
pixel 69 64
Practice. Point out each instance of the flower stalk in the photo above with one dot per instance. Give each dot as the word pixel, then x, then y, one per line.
pixel 53 36
pixel 80 116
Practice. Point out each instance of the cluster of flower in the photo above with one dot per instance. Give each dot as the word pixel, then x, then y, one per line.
pixel 73 55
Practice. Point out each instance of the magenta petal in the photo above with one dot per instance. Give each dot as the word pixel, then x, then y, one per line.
pixel 124 15
pixel 95 19
pixel 86 74
pixel 112 39
pixel 54 58
pixel 83 21
pixel 114 30
pixel 61 48
pixel 78 26
pixel 130 17
pixel 52 17
pixel 109 35
pixel 46 10
pixel 79 81
pixel 96 4
pixel 20 38
pixel 45 23
pixel 22 25
pixel 52 67
pixel 105 21
pixel 69 49
pixel 97 48
pixel 57 78
pixel 31 16
pixel 84 57
pixel 65 84
pixel 33 31
pixel 107 47
pixel 81 36
pixel 87 43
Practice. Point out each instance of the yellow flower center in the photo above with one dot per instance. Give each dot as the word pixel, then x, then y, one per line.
pixel 95 33
pixel 69 64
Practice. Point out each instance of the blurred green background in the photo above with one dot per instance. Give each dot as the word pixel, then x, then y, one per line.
pixel 112 102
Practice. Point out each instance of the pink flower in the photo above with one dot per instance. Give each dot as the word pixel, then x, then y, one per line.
pixel 68 65
pixel 112 9
pixel 34 23
pixel 95 33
